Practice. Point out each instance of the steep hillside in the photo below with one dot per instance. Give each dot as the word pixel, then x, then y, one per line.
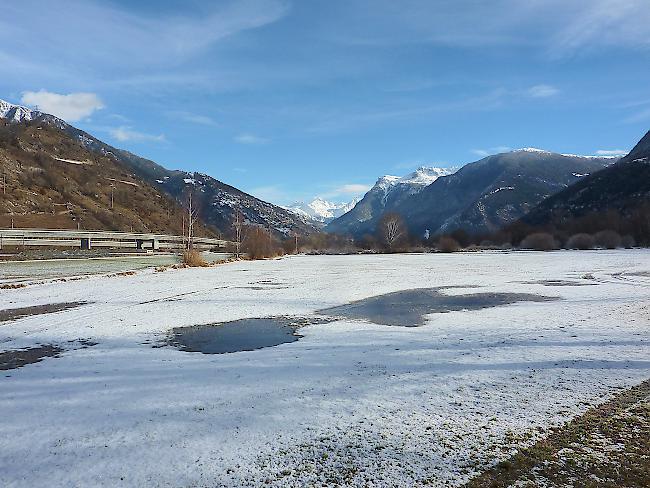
pixel 52 181
pixel 388 193
pixel 622 189
pixel 217 201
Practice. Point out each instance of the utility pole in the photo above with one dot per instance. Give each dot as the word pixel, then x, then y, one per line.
pixel 296 236
pixel 112 197
pixel 4 183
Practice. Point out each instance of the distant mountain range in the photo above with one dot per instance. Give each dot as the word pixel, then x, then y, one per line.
pixel 59 176
pixel 480 197
pixel 388 193
pixel 622 188
pixel 320 211
pixel 217 202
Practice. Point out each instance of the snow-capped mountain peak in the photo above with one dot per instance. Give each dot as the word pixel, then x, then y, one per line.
pixel 18 113
pixel 425 175
pixel 321 210
pixel 418 179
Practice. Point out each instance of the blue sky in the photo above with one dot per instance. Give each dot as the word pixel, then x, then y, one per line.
pixel 292 99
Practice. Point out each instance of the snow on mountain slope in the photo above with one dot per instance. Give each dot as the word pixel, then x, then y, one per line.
pixel 387 192
pixel 321 210
pixel 19 113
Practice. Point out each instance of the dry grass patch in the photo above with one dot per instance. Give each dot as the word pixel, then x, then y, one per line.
pixel 608 446
pixel 193 258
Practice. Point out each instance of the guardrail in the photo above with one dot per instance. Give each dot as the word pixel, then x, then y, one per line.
pixel 87 239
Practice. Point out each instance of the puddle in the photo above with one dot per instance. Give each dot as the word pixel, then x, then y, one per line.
pixel 403 308
pixel 408 308
pixel 21 357
pixel 17 313
pixel 239 335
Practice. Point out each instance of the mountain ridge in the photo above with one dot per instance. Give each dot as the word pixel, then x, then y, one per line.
pixel 480 197
pixel 218 202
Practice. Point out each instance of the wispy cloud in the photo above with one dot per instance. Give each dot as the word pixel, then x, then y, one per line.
pixel 611 152
pixel 594 23
pixel 125 39
pixel 71 107
pixel 127 134
pixel 557 27
pixel 491 150
pixel 193 118
pixel 352 188
pixel 271 193
pixel 640 116
pixel 542 91
pixel 250 139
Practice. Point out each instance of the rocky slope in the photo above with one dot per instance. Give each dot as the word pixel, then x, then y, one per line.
pixel 50 180
pixel 622 188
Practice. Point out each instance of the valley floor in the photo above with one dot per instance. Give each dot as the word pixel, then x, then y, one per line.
pixel 350 403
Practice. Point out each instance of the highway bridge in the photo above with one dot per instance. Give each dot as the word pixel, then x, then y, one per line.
pixel 88 239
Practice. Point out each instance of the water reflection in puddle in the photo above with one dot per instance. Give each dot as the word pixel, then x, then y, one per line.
pixel 408 308
pixel 239 335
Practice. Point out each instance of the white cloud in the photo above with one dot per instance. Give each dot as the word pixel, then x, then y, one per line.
pixel 491 150
pixel 641 116
pixel 352 188
pixel 124 134
pixel 272 193
pixel 125 38
pixel 250 139
pixel 193 118
pixel 611 152
pixel 542 91
pixel 71 107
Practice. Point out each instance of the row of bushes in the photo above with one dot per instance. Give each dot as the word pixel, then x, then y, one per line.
pixel 606 239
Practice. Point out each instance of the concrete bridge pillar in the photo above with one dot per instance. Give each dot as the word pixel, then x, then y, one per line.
pixel 138 244
pixel 85 243
pixel 155 244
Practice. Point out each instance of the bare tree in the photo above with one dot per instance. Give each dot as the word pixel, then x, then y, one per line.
pixel 392 229
pixel 192 217
pixel 238 224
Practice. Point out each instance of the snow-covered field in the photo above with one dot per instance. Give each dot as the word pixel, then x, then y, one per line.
pixel 350 403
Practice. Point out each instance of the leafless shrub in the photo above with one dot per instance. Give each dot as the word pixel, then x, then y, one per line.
pixel 580 241
pixel 193 258
pixel 539 241
pixel 259 243
pixel 628 242
pixel 448 244
pixel 608 239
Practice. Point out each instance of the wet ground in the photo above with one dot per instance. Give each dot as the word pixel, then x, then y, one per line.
pixel 17 313
pixel 238 335
pixel 559 283
pixel 17 358
pixel 408 308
